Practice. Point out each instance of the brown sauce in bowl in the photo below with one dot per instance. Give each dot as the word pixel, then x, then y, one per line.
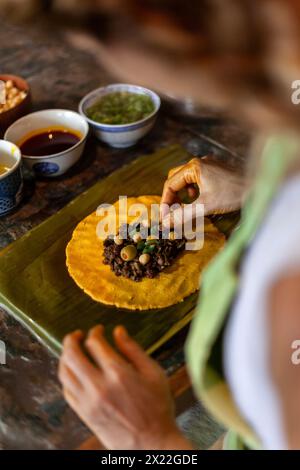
pixel 49 142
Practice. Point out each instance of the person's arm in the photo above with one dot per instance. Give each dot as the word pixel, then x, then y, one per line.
pixel 123 397
pixel 284 320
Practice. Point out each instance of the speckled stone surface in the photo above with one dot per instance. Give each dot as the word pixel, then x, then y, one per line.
pixel 33 414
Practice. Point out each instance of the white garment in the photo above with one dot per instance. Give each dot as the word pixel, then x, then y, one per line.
pixel 275 250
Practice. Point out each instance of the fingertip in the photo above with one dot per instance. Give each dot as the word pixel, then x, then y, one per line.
pixel 120 332
pixel 94 336
pixel 71 337
pixel 97 330
pixel 78 334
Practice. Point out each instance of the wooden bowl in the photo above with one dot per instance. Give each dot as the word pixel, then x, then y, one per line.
pixel 10 116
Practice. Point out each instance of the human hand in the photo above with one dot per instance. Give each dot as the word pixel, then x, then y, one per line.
pixel 220 190
pixel 123 398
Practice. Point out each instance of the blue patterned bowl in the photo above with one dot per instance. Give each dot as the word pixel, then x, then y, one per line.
pixel 11 182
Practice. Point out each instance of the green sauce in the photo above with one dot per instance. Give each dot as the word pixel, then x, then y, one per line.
pixel 121 108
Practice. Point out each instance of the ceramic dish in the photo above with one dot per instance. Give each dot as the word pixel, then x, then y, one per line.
pixel 56 164
pixel 122 135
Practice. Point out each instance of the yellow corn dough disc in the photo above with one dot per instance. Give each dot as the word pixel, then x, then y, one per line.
pixel 86 267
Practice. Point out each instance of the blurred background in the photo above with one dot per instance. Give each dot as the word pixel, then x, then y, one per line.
pixel 128 38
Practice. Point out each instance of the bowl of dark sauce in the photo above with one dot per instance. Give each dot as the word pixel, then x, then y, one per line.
pixel 51 141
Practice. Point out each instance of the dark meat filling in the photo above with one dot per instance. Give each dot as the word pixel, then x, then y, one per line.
pixel 146 258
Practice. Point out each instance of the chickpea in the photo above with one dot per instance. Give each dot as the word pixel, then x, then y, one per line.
pixel 144 259
pixel 128 253
pixel 118 240
pixel 137 237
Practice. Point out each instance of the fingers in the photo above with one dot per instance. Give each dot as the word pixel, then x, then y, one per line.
pixel 68 379
pixel 173 184
pixel 100 350
pixel 174 170
pixel 131 350
pixel 180 178
pixel 71 400
pixel 75 368
pixel 74 358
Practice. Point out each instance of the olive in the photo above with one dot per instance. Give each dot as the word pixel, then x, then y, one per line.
pixel 144 259
pixel 118 240
pixel 128 253
pixel 137 237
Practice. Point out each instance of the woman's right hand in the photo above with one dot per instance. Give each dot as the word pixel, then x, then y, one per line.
pixel 220 190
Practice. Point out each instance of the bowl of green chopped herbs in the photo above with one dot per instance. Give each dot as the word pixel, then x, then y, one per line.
pixel 120 114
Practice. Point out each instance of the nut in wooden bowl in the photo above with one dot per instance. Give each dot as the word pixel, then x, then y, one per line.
pixel 15 100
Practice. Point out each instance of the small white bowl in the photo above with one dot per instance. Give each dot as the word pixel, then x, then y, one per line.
pixel 122 135
pixel 55 164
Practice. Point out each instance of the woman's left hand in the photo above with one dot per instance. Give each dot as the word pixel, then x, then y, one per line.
pixel 123 398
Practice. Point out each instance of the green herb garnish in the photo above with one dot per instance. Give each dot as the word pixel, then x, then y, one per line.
pixel 149 249
pixel 153 241
pixel 121 108
pixel 140 245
